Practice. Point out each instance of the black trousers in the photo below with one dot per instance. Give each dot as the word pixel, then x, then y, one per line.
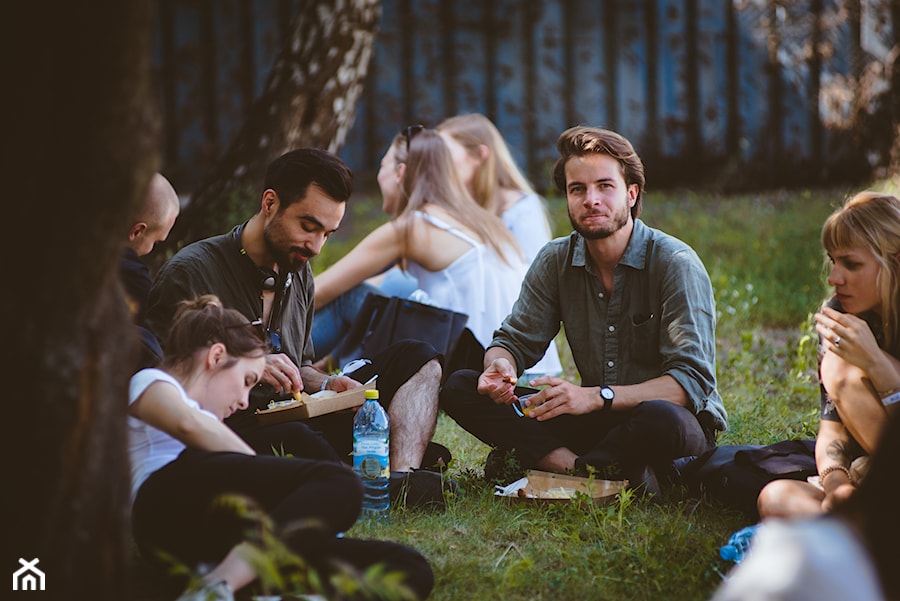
pixel 179 510
pixel 652 434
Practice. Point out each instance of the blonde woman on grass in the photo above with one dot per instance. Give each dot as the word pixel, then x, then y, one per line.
pixel 460 254
pixel 859 358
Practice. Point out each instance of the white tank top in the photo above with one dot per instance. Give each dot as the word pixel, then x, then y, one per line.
pixel 480 284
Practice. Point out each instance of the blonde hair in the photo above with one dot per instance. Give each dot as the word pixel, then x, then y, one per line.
pixel 497 170
pixel 431 178
pixel 872 220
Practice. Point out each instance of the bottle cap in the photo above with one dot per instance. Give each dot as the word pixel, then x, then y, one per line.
pixel 371 394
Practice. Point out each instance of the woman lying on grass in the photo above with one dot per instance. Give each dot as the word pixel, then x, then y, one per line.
pixel 184 459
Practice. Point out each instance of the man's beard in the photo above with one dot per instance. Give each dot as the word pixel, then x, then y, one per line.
pixel 272 239
pixel 618 221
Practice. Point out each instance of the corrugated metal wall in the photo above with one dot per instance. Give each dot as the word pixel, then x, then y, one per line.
pixel 708 90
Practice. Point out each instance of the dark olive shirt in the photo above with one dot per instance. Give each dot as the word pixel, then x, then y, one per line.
pixel 659 319
pixel 219 266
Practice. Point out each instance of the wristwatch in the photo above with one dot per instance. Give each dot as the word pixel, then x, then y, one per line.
pixel 607 394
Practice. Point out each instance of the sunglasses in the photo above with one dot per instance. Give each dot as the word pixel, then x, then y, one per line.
pixel 411 132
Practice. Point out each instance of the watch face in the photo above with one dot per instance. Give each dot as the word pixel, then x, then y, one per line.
pixel 607 393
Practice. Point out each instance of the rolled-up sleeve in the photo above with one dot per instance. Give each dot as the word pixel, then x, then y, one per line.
pixel 688 327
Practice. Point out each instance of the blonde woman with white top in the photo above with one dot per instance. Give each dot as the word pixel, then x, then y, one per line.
pixel 461 254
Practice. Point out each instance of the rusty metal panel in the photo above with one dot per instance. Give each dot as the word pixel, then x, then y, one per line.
pixel 713 77
pixel 511 80
pixel 549 94
pixel 233 88
pixel 753 80
pixel 428 103
pixel 795 25
pixel 672 79
pixel 630 87
pixel 588 88
pixel 695 84
pixel 469 34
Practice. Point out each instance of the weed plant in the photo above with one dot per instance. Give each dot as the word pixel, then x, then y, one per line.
pixel 766 265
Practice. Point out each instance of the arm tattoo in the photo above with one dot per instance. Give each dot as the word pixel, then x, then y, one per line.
pixel 839 452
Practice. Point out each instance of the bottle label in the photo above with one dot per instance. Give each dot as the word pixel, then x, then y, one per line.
pixel 370 458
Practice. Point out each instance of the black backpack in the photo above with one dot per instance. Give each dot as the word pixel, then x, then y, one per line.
pixel 734 474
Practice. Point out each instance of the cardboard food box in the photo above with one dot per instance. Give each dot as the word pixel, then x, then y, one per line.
pixel 312 405
pixel 549 487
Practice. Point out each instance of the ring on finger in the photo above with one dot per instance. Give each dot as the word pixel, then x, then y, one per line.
pixel 837 341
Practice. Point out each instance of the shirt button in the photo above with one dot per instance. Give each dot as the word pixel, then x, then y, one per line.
pixel 602 295
pixel 610 363
pixel 612 328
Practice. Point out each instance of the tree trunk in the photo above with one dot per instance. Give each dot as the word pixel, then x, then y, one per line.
pixel 80 144
pixel 309 100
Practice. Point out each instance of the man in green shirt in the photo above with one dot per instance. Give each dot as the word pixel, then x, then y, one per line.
pixel 639 315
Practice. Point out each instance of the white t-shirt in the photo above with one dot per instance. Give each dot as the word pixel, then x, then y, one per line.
pixel 818 559
pixel 151 448
pixel 527 220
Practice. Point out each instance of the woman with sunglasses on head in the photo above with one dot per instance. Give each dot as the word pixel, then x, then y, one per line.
pixel 460 254
pixel 184 459
pixel 859 359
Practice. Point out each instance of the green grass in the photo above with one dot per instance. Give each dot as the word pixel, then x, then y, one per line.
pixel 765 262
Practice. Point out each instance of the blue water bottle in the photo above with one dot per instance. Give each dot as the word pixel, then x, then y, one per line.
pixel 738 545
pixel 371 459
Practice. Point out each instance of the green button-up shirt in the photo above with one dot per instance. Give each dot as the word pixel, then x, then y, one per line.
pixel 660 318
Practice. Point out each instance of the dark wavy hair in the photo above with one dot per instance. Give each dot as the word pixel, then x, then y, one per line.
pixel 582 140
pixel 202 322
pixel 291 174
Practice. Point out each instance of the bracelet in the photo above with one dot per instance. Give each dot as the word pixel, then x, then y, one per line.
pixel 891 398
pixel 889 391
pixel 834 468
pixel 325 382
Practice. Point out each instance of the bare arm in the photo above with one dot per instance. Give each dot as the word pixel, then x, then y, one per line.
pixel 858 347
pixel 313 378
pixel 662 388
pixel 498 380
pixel 832 449
pixel 374 252
pixel 161 407
pixel 563 397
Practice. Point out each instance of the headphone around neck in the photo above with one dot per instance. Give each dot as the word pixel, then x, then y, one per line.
pixel 267 278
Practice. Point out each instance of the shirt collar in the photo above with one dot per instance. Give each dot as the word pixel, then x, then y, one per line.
pixel 635 255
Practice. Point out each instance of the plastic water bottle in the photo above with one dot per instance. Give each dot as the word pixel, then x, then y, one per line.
pixel 738 545
pixel 371 459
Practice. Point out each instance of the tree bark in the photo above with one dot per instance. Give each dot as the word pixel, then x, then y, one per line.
pixel 309 99
pixel 80 144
